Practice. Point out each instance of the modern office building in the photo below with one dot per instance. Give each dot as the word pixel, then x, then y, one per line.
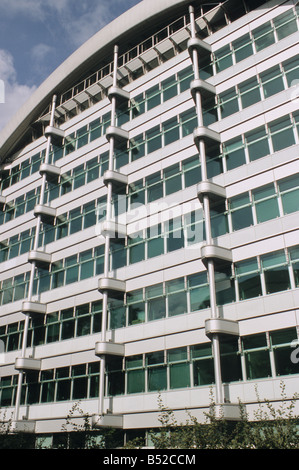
pixel 149 222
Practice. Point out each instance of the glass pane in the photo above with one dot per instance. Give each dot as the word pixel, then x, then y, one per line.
pixel 242 218
pixel 234 153
pixel 249 286
pixel 277 279
pixel 179 375
pixel 223 58
pixel 283 363
pixel 242 48
pixel 228 103
pixel 136 313
pixel 135 381
pixel 203 372
pixel 257 143
pixel 257 365
pixel 250 92
pixel 157 378
pixel 282 134
pixel 169 87
pixel 153 97
pixel 267 210
pixel 200 298
pixel 272 81
pixel 156 309
pixel 177 303
pixel 285 24
pixel 263 36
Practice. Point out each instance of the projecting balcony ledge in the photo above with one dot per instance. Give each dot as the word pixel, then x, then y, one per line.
pixel 215 253
pixel 51 171
pixel 2 200
pixel 214 191
pixel 112 286
pixel 25 363
pixel 34 308
pixel 46 213
pixel 209 136
pixel 113 229
pixel 107 421
pixel 199 45
pixel 221 326
pixel 24 426
pixel 108 348
pixel 227 411
pixel 118 93
pixel 56 134
pixel 40 258
pixel 117 179
pixel 119 135
pixel 205 89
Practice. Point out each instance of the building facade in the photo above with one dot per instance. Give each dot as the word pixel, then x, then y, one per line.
pixel 149 241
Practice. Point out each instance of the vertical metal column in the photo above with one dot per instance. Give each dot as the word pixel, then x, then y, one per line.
pixel 33 266
pixel 107 240
pixel 206 209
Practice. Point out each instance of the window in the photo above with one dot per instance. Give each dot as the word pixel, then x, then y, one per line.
pixel 276 272
pixel 242 48
pixel 266 204
pixel 136 244
pixel 241 211
pixel 154 139
pixel 230 361
pixel 156 304
pixel 228 102
pixel 294 258
pixel 218 214
pixel 154 185
pixel 156 371
pixel 82 137
pixel 173 179
pixel 176 297
pixel 199 291
pixel 135 374
pixel 272 81
pixel 153 97
pixel 248 279
pixel 169 88
pixel 179 369
pixel 171 131
pixel 281 344
pixel 249 92
pixel 257 358
pixel 136 307
pixel 175 235
pixel 224 284
pixel 191 171
pixel 234 153
pixel 282 134
pixel 285 24
pixel 71 270
pixel 188 121
pixel 257 143
pixel 289 192
pixel 290 68
pixel 203 365
pixel 155 241
pixel 263 36
pixel 223 58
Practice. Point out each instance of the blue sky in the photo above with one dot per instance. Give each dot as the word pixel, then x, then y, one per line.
pixel 36 36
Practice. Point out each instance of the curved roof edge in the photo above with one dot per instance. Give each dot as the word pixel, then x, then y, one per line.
pixel 140 14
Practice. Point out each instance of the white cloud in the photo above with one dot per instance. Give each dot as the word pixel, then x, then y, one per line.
pixel 15 93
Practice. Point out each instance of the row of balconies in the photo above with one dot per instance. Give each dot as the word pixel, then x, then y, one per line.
pixel 115 287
